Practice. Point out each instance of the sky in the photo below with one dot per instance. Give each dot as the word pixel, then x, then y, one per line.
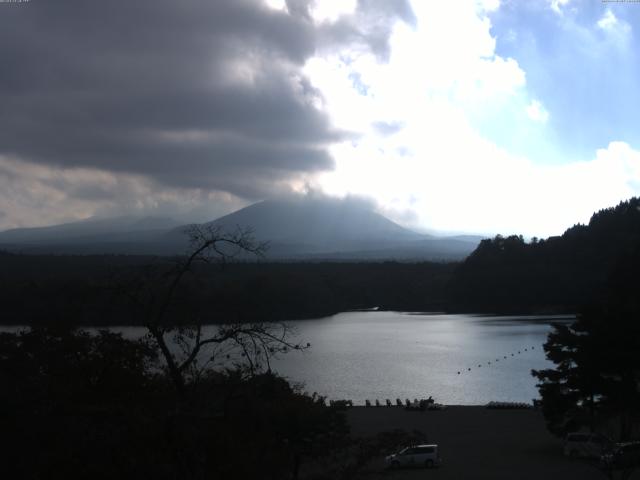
pixel 479 116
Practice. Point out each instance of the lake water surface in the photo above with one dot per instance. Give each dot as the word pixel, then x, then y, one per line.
pixel 380 355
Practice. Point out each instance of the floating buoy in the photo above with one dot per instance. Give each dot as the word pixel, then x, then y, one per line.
pixel 458 373
pixel 505 356
pixel 469 369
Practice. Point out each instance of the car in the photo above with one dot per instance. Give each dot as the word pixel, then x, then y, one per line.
pixel 586 445
pixel 622 455
pixel 414 456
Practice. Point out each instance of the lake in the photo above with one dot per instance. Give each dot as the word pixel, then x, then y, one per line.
pixel 380 355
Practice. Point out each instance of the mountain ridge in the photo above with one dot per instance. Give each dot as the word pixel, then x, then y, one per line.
pixel 295 228
pixel 87 227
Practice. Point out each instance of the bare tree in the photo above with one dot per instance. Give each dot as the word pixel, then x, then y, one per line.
pixel 196 346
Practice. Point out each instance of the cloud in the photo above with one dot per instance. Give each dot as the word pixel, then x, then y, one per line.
pixel 558 5
pixel 182 94
pixel 583 75
pixel 190 94
pixel 36 194
pixel 537 112
pixel 608 21
pixel 203 107
pixel 332 10
pixel 366 29
pixel 618 31
pixel 440 163
pixel 467 184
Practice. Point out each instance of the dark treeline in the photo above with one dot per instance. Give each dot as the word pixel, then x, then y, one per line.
pixel 560 274
pixel 503 275
pixel 93 290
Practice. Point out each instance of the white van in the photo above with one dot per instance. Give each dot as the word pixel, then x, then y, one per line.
pixel 415 456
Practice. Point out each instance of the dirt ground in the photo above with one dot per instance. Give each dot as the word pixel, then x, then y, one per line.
pixel 477 443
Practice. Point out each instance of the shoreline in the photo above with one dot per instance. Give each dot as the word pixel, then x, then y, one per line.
pixel 525 317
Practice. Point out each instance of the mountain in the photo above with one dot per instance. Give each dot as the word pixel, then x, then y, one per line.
pixel 333 229
pixel 303 228
pixel 322 225
pixel 123 234
pixel 507 274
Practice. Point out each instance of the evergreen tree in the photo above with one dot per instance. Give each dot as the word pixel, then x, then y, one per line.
pixel 596 380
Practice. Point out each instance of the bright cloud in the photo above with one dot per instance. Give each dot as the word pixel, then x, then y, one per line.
pixel 420 152
pixel 608 21
pixel 276 4
pixel 558 5
pixel 617 30
pixel 331 10
pixel 537 112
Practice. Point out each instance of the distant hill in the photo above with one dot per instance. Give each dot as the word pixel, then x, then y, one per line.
pixel 507 274
pixel 297 228
pixel 89 230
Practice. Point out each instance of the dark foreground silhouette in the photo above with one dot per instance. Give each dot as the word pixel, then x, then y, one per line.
pixel 77 405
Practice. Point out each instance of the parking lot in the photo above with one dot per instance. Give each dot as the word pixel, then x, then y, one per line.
pixel 477 443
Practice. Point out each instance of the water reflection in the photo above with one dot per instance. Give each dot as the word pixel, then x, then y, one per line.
pixel 369 355
pixel 457 359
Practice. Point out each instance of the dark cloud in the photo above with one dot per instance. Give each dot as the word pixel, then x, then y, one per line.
pixel 190 93
pixel 187 92
pixel 299 8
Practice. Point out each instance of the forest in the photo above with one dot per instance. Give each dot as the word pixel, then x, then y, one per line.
pixel 89 290
pixel 556 275
pixel 503 275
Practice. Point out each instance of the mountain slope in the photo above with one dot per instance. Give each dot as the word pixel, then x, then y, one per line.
pixel 326 224
pixel 296 229
pixel 333 229
pixel 94 229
